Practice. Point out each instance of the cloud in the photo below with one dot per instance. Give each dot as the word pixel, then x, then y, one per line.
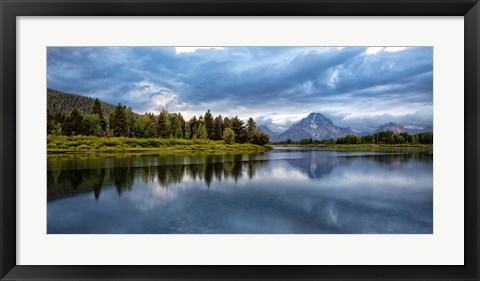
pixel 375 50
pixel 152 97
pixel 278 122
pixel 274 85
pixel 180 50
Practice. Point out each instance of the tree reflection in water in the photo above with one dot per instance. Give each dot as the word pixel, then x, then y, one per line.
pixel 73 178
pixel 283 191
pixel 63 183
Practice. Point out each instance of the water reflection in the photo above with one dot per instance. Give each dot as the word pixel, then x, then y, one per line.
pixel 63 182
pixel 284 191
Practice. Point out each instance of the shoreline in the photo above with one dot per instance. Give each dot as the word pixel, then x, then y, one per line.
pixel 96 145
pixel 239 149
pixel 153 150
pixel 360 146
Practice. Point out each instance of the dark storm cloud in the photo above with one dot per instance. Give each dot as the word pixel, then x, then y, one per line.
pixel 358 87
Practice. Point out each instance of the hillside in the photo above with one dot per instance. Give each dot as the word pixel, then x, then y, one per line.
pixel 64 102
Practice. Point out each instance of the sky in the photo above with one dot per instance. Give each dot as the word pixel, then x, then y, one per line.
pixel 357 87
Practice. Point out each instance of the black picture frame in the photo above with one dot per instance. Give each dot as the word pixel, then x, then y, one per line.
pixel 10 9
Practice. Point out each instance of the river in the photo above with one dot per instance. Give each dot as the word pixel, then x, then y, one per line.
pixel 284 191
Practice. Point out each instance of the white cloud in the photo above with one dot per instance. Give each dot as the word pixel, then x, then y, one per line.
pixel 394 49
pixel 154 96
pixel 375 50
pixel 333 78
pixel 279 122
pixel 180 50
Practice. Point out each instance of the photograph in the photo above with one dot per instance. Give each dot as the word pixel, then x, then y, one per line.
pixel 239 139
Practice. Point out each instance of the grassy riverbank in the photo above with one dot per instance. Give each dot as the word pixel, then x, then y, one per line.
pixel 84 144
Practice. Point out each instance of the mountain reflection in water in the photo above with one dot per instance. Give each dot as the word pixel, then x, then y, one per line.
pixel 283 191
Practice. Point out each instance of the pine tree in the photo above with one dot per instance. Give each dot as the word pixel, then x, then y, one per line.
pixel 175 126
pixel 97 108
pixel 182 123
pixel 251 128
pixel 238 129
pixel 131 120
pixel 208 120
pixel 202 131
pixel 227 123
pixel 217 128
pixel 187 130
pixel 194 127
pixel 162 125
pixel 55 123
pixel 73 123
pixel 118 122
pixel 261 138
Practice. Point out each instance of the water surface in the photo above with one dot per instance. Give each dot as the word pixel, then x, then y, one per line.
pixel 287 190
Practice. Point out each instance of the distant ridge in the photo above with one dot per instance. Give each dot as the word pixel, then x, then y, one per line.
pixel 392 127
pixel 58 101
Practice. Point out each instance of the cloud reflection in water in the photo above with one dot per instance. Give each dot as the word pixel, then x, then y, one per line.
pixel 284 191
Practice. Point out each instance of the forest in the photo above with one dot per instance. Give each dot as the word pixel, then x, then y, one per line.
pixel 123 122
pixel 58 101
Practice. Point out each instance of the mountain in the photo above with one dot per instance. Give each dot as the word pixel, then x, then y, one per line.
pixel 392 127
pixel 315 126
pixel 269 132
pixel 64 102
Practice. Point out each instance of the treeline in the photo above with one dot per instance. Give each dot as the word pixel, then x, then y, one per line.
pixel 122 122
pixel 384 137
pixel 388 137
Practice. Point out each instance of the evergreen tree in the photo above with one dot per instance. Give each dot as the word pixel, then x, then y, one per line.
pixel 55 123
pixel 131 120
pixel 208 120
pixel 73 123
pixel 218 128
pixel 187 130
pixel 227 123
pixel 202 131
pixel 175 126
pixel 118 122
pixel 251 128
pixel 194 127
pixel 238 129
pixel 97 108
pixel 261 138
pixel 182 123
pixel 163 129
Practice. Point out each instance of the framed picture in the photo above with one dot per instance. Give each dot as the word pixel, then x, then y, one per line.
pixel 239 140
